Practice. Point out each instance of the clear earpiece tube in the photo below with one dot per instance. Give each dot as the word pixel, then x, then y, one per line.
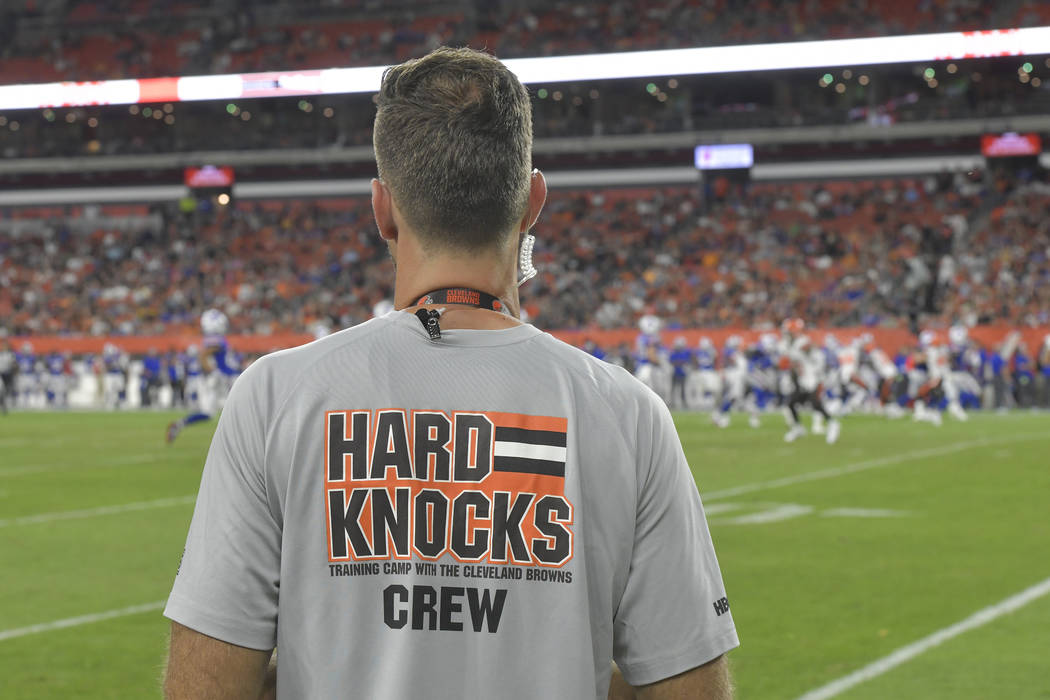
pixel 527 269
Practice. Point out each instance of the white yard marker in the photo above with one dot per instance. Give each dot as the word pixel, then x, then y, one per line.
pixel 909 652
pixel 717 508
pixel 776 514
pixel 80 620
pixel 867 464
pixel 863 513
pixel 93 512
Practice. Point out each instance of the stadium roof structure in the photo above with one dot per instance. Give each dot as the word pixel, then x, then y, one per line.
pixel 553 69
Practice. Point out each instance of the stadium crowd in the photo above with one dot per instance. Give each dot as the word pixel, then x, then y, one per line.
pixel 948 248
pixel 100 39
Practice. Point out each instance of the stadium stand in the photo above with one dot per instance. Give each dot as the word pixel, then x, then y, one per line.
pixel 850 253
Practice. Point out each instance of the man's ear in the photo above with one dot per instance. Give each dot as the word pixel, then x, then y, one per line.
pixel 537 197
pixel 383 211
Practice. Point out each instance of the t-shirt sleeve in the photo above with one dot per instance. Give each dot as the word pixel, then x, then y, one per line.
pixel 674 614
pixel 227 583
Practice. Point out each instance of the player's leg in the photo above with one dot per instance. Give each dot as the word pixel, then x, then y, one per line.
pixel 926 402
pixel 795 429
pixel 952 393
pixel 177 426
pixel 756 404
pixel 833 427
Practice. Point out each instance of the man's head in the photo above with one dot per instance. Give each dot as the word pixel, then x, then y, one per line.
pixel 453 143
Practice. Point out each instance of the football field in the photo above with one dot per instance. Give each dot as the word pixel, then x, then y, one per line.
pixel 906 561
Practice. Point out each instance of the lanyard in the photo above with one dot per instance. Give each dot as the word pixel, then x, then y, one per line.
pixel 454 295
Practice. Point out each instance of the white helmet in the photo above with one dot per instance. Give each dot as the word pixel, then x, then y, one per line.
pixel 649 324
pixel 214 322
pixel 706 344
pixel 957 335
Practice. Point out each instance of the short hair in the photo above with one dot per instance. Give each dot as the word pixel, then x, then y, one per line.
pixel 453 142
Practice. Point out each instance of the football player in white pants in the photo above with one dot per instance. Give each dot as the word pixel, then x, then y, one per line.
pixel 115 376
pixel 801 384
pixel 938 382
pixel 734 384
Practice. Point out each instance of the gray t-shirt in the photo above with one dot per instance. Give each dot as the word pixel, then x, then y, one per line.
pixel 494 514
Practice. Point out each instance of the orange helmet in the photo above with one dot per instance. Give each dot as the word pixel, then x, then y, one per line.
pixel 794 326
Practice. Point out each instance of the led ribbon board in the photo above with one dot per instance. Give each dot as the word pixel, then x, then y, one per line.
pixel 553 69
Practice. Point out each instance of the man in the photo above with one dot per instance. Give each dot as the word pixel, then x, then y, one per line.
pixel 444 502
pixel 1043 364
pixel 27 378
pixel 59 378
pixel 115 377
pixel 8 370
pixel 150 379
pixel 801 383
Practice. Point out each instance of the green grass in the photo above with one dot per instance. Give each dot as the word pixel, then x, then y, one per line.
pixel 815 597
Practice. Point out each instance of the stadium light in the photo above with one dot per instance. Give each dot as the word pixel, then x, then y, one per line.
pixel 552 69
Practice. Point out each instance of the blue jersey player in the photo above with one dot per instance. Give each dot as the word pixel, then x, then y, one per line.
pixel 219 367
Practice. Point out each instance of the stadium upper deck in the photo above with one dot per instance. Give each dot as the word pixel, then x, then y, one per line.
pixel 100 40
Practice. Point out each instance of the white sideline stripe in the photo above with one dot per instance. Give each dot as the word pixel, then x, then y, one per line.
pixel 39 468
pixel 523 449
pixel 909 652
pixel 80 620
pixel 867 464
pixel 92 512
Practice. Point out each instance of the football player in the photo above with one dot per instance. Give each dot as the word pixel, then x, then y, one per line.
pixel 220 367
pixel 801 383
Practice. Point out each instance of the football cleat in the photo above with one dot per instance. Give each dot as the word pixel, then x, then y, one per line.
pixel 834 428
pixel 795 433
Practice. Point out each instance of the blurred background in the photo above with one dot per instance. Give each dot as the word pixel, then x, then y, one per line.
pixel 714 220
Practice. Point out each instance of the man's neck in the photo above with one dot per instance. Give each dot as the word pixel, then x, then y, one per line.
pixel 486 273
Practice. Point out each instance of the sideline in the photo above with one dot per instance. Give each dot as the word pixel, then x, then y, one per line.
pixel 867 464
pixel 909 652
pixel 80 620
pixel 92 512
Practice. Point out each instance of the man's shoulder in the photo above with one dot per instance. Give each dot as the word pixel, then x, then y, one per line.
pixel 286 367
pixel 613 381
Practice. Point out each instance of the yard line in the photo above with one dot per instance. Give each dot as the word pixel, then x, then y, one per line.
pixel 80 620
pixel 909 652
pixel 52 467
pixel 867 464
pixel 784 511
pixel 103 510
